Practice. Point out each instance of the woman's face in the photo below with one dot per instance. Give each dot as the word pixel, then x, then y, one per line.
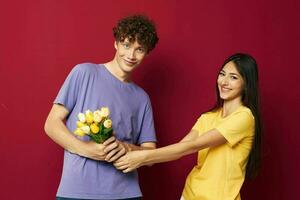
pixel 230 82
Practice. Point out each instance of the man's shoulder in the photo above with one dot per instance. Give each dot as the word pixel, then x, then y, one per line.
pixel 85 67
pixel 141 92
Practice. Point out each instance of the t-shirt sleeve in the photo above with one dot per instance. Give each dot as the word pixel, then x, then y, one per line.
pixel 199 124
pixel 147 133
pixel 68 93
pixel 236 127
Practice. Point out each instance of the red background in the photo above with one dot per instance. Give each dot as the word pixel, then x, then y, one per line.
pixel 40 41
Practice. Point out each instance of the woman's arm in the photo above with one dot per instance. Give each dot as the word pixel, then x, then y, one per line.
pixel 116 148
pixel 190 144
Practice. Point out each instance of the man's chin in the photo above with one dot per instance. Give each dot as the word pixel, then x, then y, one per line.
pixel 129 68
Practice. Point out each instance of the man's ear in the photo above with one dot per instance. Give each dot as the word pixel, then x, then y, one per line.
pixel 116 45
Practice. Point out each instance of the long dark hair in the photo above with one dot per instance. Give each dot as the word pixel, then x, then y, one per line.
pixel 247 67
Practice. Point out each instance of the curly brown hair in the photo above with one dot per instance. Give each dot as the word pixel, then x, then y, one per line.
pixel 137 27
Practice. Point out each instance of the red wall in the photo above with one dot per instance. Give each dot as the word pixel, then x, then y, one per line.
pixel 40 41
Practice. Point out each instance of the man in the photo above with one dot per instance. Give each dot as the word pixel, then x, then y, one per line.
pixel 88 171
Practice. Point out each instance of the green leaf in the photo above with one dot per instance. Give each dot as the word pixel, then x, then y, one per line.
pixel 102 135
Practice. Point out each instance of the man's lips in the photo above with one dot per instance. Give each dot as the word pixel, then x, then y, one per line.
pixel 130 62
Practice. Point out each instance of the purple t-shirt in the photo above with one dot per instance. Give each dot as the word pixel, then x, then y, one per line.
pixel 92 86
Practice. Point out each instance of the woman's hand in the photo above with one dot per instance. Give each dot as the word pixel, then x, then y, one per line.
pixel 131 160
pixel 114 149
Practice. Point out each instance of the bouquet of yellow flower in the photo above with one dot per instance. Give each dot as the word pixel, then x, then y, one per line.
pixel 96 125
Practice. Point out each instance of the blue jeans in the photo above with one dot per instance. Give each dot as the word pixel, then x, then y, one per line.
pixel 62 198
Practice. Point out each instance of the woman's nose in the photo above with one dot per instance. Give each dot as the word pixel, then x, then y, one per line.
pixel 224 81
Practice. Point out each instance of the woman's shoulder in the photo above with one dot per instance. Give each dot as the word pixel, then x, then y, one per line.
pixel 210 114
pixel 241 111
pixel 244 110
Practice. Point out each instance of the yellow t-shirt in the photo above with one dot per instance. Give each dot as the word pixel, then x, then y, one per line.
pixel 220 171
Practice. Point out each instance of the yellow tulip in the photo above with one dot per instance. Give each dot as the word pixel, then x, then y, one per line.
pixel 86 129
pixel 79 132
pixel 107 123
pixel 94 128
pixel 104 112
pixel 89 118
pixel 80 124
pixel 81 117
pixel 97 116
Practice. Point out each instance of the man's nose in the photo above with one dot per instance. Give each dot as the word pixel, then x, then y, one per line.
pixel 131 54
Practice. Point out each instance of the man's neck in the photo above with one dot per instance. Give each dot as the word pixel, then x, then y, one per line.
pixel 116 71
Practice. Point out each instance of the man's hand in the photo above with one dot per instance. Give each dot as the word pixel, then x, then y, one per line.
pixel 92 150
pixel 114 149
pixel 59 133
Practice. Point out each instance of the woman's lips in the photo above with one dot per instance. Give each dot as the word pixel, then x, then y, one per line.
pixel 225 89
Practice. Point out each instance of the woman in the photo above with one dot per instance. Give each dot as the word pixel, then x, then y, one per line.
pixel 227 138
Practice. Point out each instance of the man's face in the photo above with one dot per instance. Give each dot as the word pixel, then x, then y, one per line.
pixel 129 55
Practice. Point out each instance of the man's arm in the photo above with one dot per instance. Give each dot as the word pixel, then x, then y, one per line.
pixel 59 133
